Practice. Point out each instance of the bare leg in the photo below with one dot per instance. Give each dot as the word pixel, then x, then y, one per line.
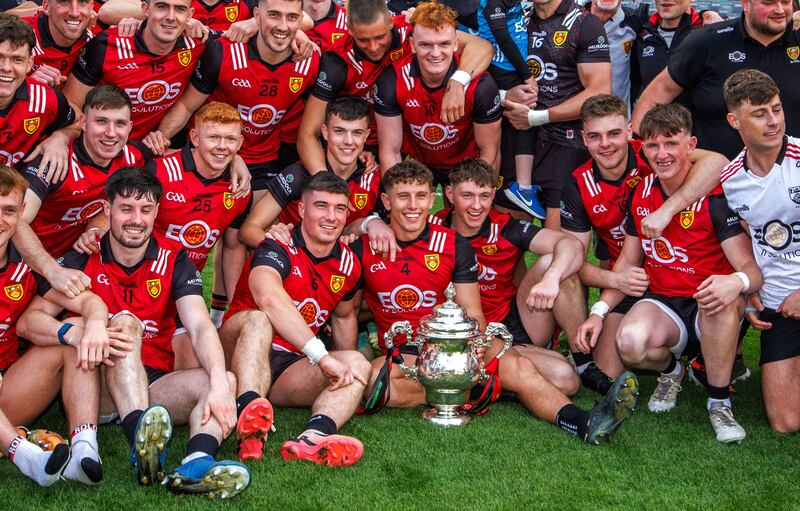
pixel 605 353
pixel 553 367
pixel 127 380
pixel 719 348
pixel 32 383
pixel 780 382
pixel 645 336
pixel 404 392
pixel 553 218
pixel 247 342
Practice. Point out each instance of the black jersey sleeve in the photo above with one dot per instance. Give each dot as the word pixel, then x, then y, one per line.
pixel 65 115
pixel 288 185
pixel 145 151
pixel 592 41
pixel 332 77
pixel 36 182
pixel 687 63
pixel 239 220
pixel 466 269
pixel 206 72
pixel 186 280
pixel 89 68
pixel 273 254
pixel 495 14
pixel 386 94
pixel 726 222
pixel 573 215
pixel 486 101
pixel 520 234
pixel 358 249
pixel 73 260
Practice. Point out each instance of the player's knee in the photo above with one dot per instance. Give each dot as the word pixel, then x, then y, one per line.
pixel 565 378
pixel 631 342
pixel 784 421
pixel 515 369
pixel 129 325
pixel 256 322
pixel 358 364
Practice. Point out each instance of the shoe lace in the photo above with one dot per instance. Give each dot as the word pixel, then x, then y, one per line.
pixel 667 389
pixel 723 416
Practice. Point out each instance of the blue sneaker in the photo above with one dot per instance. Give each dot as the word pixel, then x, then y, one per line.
pixel 209 477
pixel 526 199
pixel 149 452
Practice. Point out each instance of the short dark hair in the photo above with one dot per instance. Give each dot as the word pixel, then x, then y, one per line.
pixel 347 108
pixel 667 120
pixel 365 12
pixel 11 180
pixel 475 170
pixel 749 85
pixel 327 182
pixel 603 105
pixel 133 182
pixel 409 171
pixel 105 97
pixel 16 32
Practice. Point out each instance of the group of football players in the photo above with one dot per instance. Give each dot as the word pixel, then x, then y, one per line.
pixel 305 141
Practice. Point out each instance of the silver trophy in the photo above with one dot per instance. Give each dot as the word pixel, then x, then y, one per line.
pixel 447 365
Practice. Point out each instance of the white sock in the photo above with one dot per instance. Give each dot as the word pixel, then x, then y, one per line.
pixel 713 403
pixel 85 456
pixel 676 373
pixel 194 456
pixel 31 460
pixel 524 187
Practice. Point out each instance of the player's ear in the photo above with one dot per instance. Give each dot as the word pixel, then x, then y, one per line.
pixel 323 129
pixel 692 143
pixel 145 6
pixel 733 120
pixel 630 131
pixel 448 192
pixel 585 140
pixel 193 137
pixel 386 202
pixel 301 207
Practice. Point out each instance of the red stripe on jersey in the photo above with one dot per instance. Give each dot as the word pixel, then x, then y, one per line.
pixel 55 56
pixel 26 121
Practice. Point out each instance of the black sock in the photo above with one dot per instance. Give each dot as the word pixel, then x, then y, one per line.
pixel 219 302
pixel 202 442
pixel 322 423
pixel 718 392
pixel 671 366
pixel 573 420
pixel 129 425
pixel 245 399
pixel 581 359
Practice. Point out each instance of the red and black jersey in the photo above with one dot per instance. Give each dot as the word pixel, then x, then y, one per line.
pixel 287 188
pixel 222 14
pixel 68 205
pixel 330 28
pixel 688 250
pixel 147 290
pixel 262 93
pixel 35 111
pixel 400 90
pixel 499 246
pixel 345 71
pixel 152 82
pixel 316 285
pixel 590 201
pixel 194 211
pixel 411 286
pixel 47 53
pixel 19 288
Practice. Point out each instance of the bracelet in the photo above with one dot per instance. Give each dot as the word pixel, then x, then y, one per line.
pixel 367 220
pixel 62 332
pixel 746 281
pixel 314 350
pixel 461 77
pixel 600 308
pixel 538 117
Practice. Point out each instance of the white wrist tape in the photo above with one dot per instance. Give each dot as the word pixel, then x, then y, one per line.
pixel 366 221
pixel 745 280
pixel 538 117
pixel 314 350
pixel 461 77
pixel 600 308
pixel 503 94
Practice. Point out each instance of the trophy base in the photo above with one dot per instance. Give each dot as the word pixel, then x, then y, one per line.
pixel 445 417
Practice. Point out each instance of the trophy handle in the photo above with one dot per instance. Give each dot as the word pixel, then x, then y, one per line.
pixel 499 330
pixel 401 327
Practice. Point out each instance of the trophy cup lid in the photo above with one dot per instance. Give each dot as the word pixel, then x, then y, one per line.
pixel 449 320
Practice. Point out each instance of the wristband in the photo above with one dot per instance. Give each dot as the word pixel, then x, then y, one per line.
pixel 502 94
pixel 461 77
pixel 538 117
pixel 745 280
pixel 314 350
pixel 600 308
pixel 62 332
pixel 367 220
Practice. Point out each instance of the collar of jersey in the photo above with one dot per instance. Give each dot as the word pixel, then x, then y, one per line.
pixel 393 46
pixel 189 165
pixel 787 36
pixel 416 72
pixel 80 152
pixel 12 256
pixel 299 242
pixel 778 161
pixel 631 165
pixel 423 236
pixel 357 173
pixel 138 41
pixel 483 232
pixel 106 256
pixel 692 19
pixel 253 53
pixel 46 37
pixel 21 94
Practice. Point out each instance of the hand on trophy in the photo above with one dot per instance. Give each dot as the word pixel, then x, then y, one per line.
pixel 341 375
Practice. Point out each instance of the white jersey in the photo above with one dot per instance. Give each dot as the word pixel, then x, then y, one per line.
pixel 771 207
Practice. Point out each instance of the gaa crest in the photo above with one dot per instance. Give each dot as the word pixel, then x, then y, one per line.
pixel 627 45
pixel 185 57
pixel 335 36
pixel 793 52
pixel 687 219
pixel 154 288
pixel 31 125
pixel 360 200
pixel 489 249
pixel 14 291
pixel 560 37
pixel 337 283
pixel 794 194
pixel 395 55
pixel 227 200
pixel 432 261
pixel 632 182
pixel 232 12
pixel 295 83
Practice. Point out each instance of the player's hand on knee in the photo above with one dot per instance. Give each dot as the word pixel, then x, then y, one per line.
pixel 156 142
pixel 655 223
pixel 69 282
pixel 718 292
pixel 94 345
pixel 588 333
pixel 119 345
pixel 49 75
pixel 280 232
pixel 221 405
pixel 382 239
pixel 54 151
pixel 632 281
pixel 127 27
pixel 240 178
pixel 340 374
pixel 452 102
pixel 790 306
pixel 754 306
pixel 302 47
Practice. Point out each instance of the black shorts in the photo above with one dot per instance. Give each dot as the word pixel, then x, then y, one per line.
pixel 780 342
pixel 280 360
pixel 287 155
pixel 683 311
pixel 552 166
pixel 261 174
pixel 625 305
pixel 154 374
pixel 516 328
